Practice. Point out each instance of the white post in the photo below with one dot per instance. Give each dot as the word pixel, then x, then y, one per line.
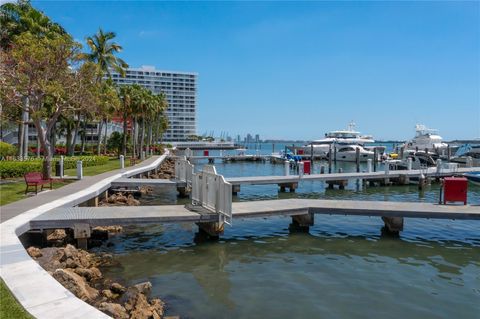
pixel 369 165
pixel 300 169
pixel 61 166
pixel 469 161
pixel 79 170
pixel 122 162
pixel 387 167
pixel 143 155
pixel 287 168
pixel 439 166
pixel 409 164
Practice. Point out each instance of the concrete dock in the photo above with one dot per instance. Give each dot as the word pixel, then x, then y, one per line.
pixel 68 217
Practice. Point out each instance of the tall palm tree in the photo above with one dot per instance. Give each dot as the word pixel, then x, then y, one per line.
pixel 102 52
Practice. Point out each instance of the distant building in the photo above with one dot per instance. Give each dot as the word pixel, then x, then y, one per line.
pixel 257 138
pixel 249 138
pixel 180 88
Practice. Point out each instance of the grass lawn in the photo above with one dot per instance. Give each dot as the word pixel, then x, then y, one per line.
pixel 9 307
pixel 112 164
pixel 11 192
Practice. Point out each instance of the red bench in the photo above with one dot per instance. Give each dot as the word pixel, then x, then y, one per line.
pixel 35 179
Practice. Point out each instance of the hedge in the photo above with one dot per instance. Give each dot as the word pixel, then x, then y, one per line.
pixel 19 168
pixel 7 149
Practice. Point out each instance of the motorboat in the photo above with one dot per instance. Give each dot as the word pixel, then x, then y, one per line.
pixel 348 153
pixel 332 139
pixel 420 160
pixel 465 151
pixel 473 177
pixel 426 139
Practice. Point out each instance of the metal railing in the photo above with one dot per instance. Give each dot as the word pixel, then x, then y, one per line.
pixel 184 171
pixel 211 191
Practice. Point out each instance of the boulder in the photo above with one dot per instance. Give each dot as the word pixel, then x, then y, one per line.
pixel 34 252
pixel 114 310
pixel 57 234
pixel 117 288
pixel 92 273
pixel 144 287
pixel 158 306
pixel 131 201
pixel 76 284
pixel 107 293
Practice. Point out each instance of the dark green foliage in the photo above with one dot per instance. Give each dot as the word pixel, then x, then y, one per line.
pixel 10 169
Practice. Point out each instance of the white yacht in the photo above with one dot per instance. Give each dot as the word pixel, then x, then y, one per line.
pixel 341 138
pixel 348 153
pixel 426 139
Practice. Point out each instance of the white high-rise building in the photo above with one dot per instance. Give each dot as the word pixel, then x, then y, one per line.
pixel 180 88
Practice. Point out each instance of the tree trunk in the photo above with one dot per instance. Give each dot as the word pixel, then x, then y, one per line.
pixel 99 141
pixel 68 137
pixel 105 138
pixel 74 142
pixel 20 139
pixel 125 129
pixel 84 136
pixel 38 147
pixel 45 144
pixel 134 139
pixel 142 139
pixel 149 138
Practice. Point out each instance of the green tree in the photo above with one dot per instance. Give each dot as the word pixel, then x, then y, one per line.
pixel 46 71
pixel 102 52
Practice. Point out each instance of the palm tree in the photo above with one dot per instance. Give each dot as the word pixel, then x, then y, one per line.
pixel 102 52
pixel 126 93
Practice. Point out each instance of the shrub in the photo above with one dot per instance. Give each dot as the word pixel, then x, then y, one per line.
pixel 7 149
pixel 10 169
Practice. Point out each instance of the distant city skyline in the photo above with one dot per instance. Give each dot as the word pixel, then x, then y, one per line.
pixel 295 70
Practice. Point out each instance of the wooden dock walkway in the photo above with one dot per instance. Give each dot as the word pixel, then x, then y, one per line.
pixel 122 182
pixel 263 180
pixel 67 217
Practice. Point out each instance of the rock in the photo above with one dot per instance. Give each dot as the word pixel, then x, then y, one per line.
pixel 34 252
pixel 76 284
pixel 57 234
pixel 158 306
pixel 110 229
pixel 77 257
pixel 132 201
pixel 52 258
pixel 92 273
pixel 117 288
pixel 107 293
pixel 144 287
pixel 121 199
pixel 114 310
pixel 139 307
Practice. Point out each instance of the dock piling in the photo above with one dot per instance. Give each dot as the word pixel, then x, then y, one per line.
pixel 393 224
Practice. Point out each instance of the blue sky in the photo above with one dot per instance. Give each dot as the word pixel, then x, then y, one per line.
pixel 299 69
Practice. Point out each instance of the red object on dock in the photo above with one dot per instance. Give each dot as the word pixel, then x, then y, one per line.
pixel 455 189
pixel 307 167
pixel 205 153
pixel 300 152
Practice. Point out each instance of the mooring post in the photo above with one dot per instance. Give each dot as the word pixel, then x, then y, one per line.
pixel 409 164
pixel 469 161
pixel 439 166
pixel 335 154
pixel 448 152
pixel 369 165
pixel 393 224
pixel 322 169
pixel 375 159
pixel 286 165
pixel 330 159
pixel 311 153
pixel 79 170
pixel 122 162
pixel 357 158
pixel 422 182
pixel 300 169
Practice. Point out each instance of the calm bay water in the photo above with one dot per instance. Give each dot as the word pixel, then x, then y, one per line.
pixel 345 267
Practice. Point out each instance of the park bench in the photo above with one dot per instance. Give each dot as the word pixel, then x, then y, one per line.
pixel 36 179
